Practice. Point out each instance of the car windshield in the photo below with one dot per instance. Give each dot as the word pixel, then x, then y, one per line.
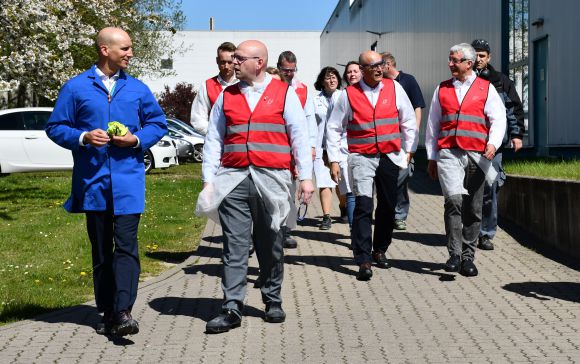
pixel 181 126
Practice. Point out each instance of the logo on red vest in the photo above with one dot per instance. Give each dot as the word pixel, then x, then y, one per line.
pixel 385 101
pixel 268 100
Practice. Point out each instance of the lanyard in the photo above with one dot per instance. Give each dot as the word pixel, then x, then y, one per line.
pixel 112 91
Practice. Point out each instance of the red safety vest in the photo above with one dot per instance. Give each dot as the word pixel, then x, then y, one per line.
pixel 464 126
pixel 256 138
pixel 373 130
pixel 214 88
pixel 302 92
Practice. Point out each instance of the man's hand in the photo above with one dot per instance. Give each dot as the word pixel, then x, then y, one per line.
pixel 313 152
pixel 489 151
pixel 96 138
pixel 335 171
pixel 409 156
pixel 205 184
pixel 127 141
pixel 517 143
pixel 432 170
pixel 305 190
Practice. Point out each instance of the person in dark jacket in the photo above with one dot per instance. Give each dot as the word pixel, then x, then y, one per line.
pixel 514 134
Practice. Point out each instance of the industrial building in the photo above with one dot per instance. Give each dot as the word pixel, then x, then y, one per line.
pixel 527 37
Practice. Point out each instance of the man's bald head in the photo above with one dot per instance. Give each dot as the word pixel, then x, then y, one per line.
pixel 250 61
pixel 115 49
pixel 256 49
pixel 372 67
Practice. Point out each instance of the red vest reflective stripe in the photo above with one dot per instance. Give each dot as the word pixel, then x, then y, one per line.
pixel 464 126
pixel 373 130
pixel 302 93
pixel 256 138
pixel 214 88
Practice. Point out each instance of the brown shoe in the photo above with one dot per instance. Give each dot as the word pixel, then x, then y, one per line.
pixel 380 260
pixel 364 273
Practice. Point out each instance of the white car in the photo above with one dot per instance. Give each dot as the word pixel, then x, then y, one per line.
pixel 180 129
pixel 25 147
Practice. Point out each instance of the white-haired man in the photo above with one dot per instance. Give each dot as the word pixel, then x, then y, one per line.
pixel 465 127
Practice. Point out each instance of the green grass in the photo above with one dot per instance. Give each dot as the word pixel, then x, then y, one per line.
pixel 546 168
pixel 45 255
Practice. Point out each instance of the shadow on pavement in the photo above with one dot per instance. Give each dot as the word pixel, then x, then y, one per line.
pixel 214 270
pixel 170 257
pixel 421 184
pixel 422 238
pixel 323 236
pixel 416 266
pixel 337 264
pixel 568 291
pixel 201 307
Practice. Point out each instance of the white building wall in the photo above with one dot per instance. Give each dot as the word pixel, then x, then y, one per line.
pixel 562 29
pixel 198 63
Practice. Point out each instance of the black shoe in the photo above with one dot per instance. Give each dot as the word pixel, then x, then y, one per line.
pixel 468 269
pixel 104 327
pixel 289 242
pixel 326 223
pixel 453 264
pixel 381 260
pixel 485 244
pixel 364 273
pixel 400 225
pixel 274 313
pixel 124 324
pixel 258 283
pixel 343 215
pixel 252 249
pixel 225 321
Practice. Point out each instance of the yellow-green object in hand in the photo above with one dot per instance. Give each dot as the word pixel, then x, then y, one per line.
pixel 115 128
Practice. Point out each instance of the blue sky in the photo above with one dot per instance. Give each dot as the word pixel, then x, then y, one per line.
pixel 258 14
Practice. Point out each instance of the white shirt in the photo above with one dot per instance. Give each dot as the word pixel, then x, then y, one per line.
pixel 201 106
pixel 109 83
pixel 293 116
pixel 309 112
pixel 342 114
pixel 322 105
pixel 494 110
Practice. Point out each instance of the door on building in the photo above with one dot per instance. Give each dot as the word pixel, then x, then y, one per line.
pixel 540 77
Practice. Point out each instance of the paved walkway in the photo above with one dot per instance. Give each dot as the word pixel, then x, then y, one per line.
pixel 522 307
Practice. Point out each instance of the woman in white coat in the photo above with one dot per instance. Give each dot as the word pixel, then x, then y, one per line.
pixel 352 74
pixel 327 84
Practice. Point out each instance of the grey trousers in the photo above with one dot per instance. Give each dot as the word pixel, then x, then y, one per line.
pixel 242 207
pixel 463 214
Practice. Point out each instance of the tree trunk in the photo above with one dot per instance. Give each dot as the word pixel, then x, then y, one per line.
pixel 22 96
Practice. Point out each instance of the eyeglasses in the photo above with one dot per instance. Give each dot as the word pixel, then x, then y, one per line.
pixel 376 65
pixel 457 61
pixel 242 59
pixel 288 70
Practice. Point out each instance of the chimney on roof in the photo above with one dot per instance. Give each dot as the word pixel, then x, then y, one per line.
pixel 211 23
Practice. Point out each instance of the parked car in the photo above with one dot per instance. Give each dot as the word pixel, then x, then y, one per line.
pixel 192 136
pixel 25 147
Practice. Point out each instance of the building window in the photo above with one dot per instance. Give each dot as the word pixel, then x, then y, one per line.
pixel 167 64
pixel 518 66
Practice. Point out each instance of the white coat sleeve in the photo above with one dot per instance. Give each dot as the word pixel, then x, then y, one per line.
pixel 407 120
pixel 433 127
pixel 335 127
pixel 495 112
pixel 299 138
pixel 310 112
pixel 200 110
pixel 214 141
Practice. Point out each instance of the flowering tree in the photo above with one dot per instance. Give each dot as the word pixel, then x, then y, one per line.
pixel 43 43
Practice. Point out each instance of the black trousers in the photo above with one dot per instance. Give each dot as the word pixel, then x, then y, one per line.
pixel 386 176
pixel 115 254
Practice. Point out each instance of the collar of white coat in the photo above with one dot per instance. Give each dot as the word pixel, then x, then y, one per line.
pixel 296 83
pixel 366 87
pixel 224 83
pixel 258 87
pixel 468 81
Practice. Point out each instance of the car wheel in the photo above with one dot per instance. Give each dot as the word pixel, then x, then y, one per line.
pixel 148 160
pixel 198 153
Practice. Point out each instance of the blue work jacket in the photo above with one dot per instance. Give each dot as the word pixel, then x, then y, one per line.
pixel 108 177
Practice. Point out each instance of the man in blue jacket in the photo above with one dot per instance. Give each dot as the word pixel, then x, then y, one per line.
pixel 108 180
